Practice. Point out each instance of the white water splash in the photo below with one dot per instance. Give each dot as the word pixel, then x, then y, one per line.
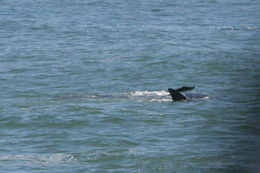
pixel 152 96
pixel 149 93
pixel 162 100
pixel 161 95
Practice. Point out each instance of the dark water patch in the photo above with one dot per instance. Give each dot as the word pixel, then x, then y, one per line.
pixel 116 120
pixel 156 10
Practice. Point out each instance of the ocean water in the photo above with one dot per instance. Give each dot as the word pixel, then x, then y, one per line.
pixel 83 86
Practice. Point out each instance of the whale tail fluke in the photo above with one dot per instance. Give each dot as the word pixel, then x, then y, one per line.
pixel 176 95
pixel 184 89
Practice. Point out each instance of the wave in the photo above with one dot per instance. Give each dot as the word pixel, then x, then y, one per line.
pixel 234 28
pixel 33 159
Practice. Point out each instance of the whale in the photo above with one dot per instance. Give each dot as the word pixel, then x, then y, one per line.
pixel 177 94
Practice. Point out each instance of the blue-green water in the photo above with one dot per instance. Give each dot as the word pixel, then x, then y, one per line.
pixel 83 86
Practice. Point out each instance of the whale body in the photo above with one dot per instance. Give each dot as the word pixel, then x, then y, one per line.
pixel 178 96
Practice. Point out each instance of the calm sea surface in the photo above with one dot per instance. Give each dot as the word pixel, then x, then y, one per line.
pixel 83 86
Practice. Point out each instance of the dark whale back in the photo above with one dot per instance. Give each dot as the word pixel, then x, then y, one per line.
pixel 178 96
